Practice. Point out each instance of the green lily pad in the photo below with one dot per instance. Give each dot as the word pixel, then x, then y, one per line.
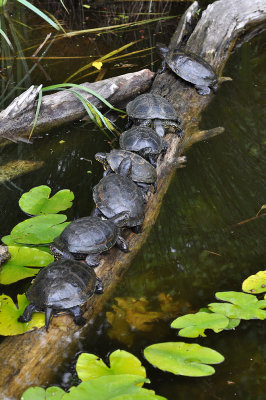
pixel 112 387
pixel 9 314
pixel 232 322
pixel 21 258
pixel 10 242
pixel 194 325
pixel 255 283
pixel 37 201
pixel 244 306
pixel 89 366
pixel 183 358
pixel 39 230
pixel 38 393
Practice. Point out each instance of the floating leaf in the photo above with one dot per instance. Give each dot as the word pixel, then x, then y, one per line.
pixel 97 64
pixel 38 393
pixel 255 283
pixel 183 358
pixel 37 201
pixel 89 366
pixel 244 306
pixel 9 315
pixel 232 322
pixel 112 387
pixel 194 325
pixel 21 258
pixel 38 230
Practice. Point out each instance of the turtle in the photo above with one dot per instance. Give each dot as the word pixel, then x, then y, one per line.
pixel 144 141
pixel 62 285
pixel 116 193
pixel 87 237
pixel 153 110
pixel 142 172
pixel 190 67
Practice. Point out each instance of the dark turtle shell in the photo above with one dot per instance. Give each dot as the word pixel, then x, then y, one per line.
pixel 88 235
pixel 62 284
pixel 141 137
pixel 191 68
pixel 151 106
pixel 116 193
pixel 142 170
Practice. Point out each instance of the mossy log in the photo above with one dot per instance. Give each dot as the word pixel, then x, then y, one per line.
pixel 32 358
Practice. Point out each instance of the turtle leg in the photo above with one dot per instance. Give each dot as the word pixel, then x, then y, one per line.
pixel 154 187
pixel 121 244
pixel 93 260
pixel 99 286
pixel 107 171
pixel 203 90
pixel 152 160
pixel 163 68
pixel 27 315
pixel 77 314
pixel 61 253
pixel 48 315
pixel 158 126
pixel 129 124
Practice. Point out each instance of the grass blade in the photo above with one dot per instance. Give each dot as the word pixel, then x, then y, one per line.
pixel 36 114
pixel 39 12
pixel 6 39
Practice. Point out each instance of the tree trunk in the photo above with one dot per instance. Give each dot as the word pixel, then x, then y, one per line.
pixel 31 359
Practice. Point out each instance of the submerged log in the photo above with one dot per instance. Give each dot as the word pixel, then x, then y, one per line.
pixel 64 106
pixel 32 358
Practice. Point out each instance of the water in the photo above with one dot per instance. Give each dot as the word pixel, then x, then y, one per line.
pixel 195 248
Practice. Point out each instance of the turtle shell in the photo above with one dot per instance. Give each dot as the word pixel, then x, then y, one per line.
pixel 142 170
pixel 116 193
pixel 62 284
pixel 88 235
pixel 139 138
pixel 191 68
pixel 151 106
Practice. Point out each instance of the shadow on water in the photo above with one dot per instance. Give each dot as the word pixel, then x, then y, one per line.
pixel 196 247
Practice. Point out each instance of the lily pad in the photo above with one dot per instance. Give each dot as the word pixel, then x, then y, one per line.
pixel 10 242
pixel 37 201
pixel 244 306
pixel 21 258
pixel 89 366
pixel 9 314
pixel 194 325
pixel 112 387
pixel 255 283
pixel 38 393
pixel 232 322
pixel 183 358
pixel 39 230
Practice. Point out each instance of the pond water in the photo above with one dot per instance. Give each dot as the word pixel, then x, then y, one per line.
pixel 197 246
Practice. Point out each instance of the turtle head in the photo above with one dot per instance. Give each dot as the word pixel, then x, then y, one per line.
pixel 162 49
pixel 102 158
pixel 120 219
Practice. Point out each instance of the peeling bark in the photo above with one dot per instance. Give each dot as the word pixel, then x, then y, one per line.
pixel 31 359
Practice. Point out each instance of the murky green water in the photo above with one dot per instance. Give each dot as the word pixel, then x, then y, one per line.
pixel 196 247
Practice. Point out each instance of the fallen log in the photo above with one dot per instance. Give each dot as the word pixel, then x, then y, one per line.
pixel 32 358
pixel 64 106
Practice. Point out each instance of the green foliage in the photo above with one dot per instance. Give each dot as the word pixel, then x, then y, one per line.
pixel 39 12
pixel 38 393
pixel 243 306
pixel 183 358
pixel 255 283
pixel 89 366
pixel 9 314
pixel 194 325
pixel 21 258
pixel 37 201
pixel 116 387
pixel 39 230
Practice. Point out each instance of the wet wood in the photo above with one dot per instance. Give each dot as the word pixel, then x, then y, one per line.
pixel 64 106
pixel 32 358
